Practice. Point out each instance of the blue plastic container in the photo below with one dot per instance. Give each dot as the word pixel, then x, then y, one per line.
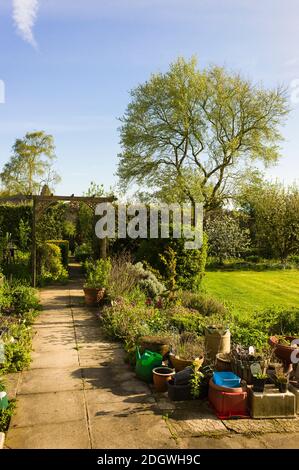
pixel 226 379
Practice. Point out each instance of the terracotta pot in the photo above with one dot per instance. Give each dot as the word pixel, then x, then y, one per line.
pixel 181 364
pixel 161 375
pixel 157 344
pixel 282 351
pixel 93 296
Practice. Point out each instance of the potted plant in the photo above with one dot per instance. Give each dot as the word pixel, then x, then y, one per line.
pixel 282 379
pixel 97 278
pixel 185 349
pixel 259 381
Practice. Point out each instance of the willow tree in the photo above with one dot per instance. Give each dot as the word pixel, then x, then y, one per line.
pixel 31 165
pixel 193 134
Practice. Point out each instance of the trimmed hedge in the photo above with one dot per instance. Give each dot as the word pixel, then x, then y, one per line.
pixel 64 248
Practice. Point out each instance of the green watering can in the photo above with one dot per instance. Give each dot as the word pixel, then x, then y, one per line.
pixel 145 363
pixel 3 401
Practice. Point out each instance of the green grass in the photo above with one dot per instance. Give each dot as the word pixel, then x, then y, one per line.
pixel 249 291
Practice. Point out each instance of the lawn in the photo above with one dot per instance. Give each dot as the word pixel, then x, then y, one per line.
pixel 247 291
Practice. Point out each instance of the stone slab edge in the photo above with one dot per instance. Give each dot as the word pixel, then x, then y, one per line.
pixel 2 439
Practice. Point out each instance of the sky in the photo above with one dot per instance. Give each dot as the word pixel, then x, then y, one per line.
pixel 68 67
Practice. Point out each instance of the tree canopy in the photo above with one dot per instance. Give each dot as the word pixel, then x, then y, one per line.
pixel 31 165
pixel 197 132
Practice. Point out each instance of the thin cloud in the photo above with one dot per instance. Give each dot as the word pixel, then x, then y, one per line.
pixel 24 15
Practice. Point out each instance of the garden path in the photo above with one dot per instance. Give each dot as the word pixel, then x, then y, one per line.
pixel 79 393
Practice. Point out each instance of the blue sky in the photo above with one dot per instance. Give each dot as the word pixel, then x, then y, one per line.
pixel 89 53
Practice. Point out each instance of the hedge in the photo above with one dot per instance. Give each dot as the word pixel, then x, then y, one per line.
pixel 10 217
pixel 64 248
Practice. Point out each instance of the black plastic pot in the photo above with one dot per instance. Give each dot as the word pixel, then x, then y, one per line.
pixel 179 392
pixel 283 387
pixel 258 384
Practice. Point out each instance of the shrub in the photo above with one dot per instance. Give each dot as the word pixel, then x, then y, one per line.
pixel 17 299
pixel 17 348
pixel 147 281
pixel 64 249
pixel 83 252
pixel 5 416
pixel 190 264
pixel 183 319
pixel 187 346
pixel 97 273
pixel 51 267
pixel 205 305
pixel 123 277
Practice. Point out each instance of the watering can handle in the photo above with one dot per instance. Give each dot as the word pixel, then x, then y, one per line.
pixel 138 353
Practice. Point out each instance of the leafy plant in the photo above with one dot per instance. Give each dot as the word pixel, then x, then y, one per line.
pixel 187 346
pixel 97 273
pixel 6 415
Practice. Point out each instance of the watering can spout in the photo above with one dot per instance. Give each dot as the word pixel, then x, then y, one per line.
pixel 138 353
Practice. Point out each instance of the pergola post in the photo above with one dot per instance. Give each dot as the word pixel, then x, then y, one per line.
pixel 33 246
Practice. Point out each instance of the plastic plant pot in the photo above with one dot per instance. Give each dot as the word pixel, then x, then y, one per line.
pixel 283 387
pixel 258 385
pixel 181 392
pixel 161 375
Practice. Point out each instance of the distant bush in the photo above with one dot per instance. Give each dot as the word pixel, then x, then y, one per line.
pixel 64 249
pixel 51 267
pixel 83 252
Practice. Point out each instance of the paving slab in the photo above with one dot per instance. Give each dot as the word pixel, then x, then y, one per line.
pixel 67 435
pixel 56 359
pixel 48 408
pixel 221 442
pixel 280 441
pixel 50 380
pixel 251 426
pixel 137 431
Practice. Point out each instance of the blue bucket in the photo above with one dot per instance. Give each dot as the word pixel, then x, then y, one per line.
pixel 226 379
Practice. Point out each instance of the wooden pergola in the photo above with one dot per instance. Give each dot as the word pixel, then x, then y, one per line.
pixel 41 203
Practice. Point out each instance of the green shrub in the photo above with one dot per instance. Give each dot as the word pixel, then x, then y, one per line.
pixel 17 348
pixel 83 252
pixel 183 319
pixel 64 249
pixel 190 264
pixel 204 304
pixel 97 273
pixel 147 281
pixel 17 299
pixel 51 267
pixel 6 415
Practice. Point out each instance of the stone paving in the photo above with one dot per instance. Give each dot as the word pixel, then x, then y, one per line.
pixel 79 393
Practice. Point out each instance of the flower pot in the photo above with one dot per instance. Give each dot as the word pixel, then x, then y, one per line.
pixel 217 341
pixel 157 344
pixel 179 392
pixel 283 387
pixel 282 351
pixel 180 364
pixel 93 296
pixel 258 385
pixel 161 375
